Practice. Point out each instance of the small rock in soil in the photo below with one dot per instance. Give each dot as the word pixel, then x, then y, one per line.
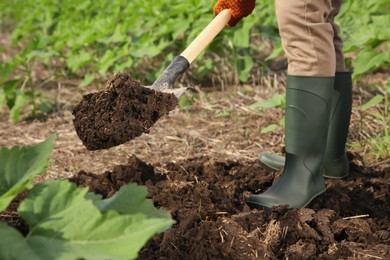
pixel 121 112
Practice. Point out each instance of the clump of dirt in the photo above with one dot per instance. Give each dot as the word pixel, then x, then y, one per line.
pixel 12 217
pixel 120 112
pixel 207 200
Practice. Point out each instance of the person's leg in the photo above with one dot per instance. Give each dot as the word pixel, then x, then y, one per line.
pixel 336 164
pixel 307 38
pixel 337 41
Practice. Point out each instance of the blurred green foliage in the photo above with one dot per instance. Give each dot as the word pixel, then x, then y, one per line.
pixel 365 28
pixel 90 39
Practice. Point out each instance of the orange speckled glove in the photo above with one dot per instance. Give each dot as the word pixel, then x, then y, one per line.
pixel 238 9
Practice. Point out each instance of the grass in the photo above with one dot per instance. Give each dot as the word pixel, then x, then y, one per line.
pixel 370 122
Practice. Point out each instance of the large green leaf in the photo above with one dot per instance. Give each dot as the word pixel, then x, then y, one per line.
pixel 369 59
pixel 130 199
pixel 65 223
pixel 13 245
pixel 18 167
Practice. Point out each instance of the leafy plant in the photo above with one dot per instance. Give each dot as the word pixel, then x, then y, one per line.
pixel 375 114
pixel 381 115
pixel 68 222
pixel 111 37
pixel 19 93
pixel 368 37
pixel 18 167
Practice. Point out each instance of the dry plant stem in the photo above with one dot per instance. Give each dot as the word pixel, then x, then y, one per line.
pixel 358 216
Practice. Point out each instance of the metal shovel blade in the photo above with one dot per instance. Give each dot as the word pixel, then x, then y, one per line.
pixel 165 81
pixel 178 92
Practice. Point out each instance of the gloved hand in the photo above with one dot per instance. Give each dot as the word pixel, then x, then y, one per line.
pixel 238 9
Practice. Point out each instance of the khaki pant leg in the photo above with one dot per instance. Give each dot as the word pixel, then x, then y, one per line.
pixel 307 36
pixel 337 41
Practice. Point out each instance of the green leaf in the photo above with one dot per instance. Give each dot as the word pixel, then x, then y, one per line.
pixel 3 100
pixel 130 199
pixel 372 102
pixel 21 99
pixel 107 61
pixel 18 167
pixel 79 59
pixel 246 70
pixel 369 59
pixel 45 106
pixel 118 35
pixel 276 101
pixel 65 222
pixel 41 54
pixel 269 128
pixel 276 52
pixel 87 80
pixel 241 37
pixel 10 90
pixel 16 246
pixel 6 68
pixel 223 113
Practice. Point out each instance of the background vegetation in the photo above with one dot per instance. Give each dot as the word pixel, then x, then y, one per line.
pixel 91 39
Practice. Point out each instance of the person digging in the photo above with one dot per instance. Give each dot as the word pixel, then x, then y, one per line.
pixel 318 100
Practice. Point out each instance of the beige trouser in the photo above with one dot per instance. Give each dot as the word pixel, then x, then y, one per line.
pixel 310 38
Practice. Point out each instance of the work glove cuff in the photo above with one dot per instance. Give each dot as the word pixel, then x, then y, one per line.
pixel 238 9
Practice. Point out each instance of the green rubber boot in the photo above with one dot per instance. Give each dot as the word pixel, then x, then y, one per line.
pixel 336 164
pixel 308 104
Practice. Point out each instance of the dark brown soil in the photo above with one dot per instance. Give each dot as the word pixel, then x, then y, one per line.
pixel 122 111
pixel 207 200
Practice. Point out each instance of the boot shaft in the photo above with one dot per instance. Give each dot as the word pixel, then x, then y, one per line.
pixel 341 114
pixel 336 164
pixel 308 104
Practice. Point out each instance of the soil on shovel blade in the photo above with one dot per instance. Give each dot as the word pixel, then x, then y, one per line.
pixel 122 111
pixel 207 200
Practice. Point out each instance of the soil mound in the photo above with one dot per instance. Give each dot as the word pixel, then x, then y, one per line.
pixel 207 200
pixel 119 113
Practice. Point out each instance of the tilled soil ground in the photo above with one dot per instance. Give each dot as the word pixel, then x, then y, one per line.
pixel 207 200
pixel 200 163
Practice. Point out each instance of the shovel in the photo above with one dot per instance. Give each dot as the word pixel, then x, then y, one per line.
pixel 182 62
pixel 125 109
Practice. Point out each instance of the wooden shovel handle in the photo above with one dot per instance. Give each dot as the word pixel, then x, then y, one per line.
pixel 206 36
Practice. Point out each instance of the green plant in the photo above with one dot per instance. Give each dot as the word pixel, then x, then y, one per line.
pixel 367 37
pixel 68 222
pixel 19 93
pixel 376 111
pixel 187 100
pixel 110 37
pixel 277 100
pixel 19 166
pixel 374 125
pixel 92 39
pixel 226 112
